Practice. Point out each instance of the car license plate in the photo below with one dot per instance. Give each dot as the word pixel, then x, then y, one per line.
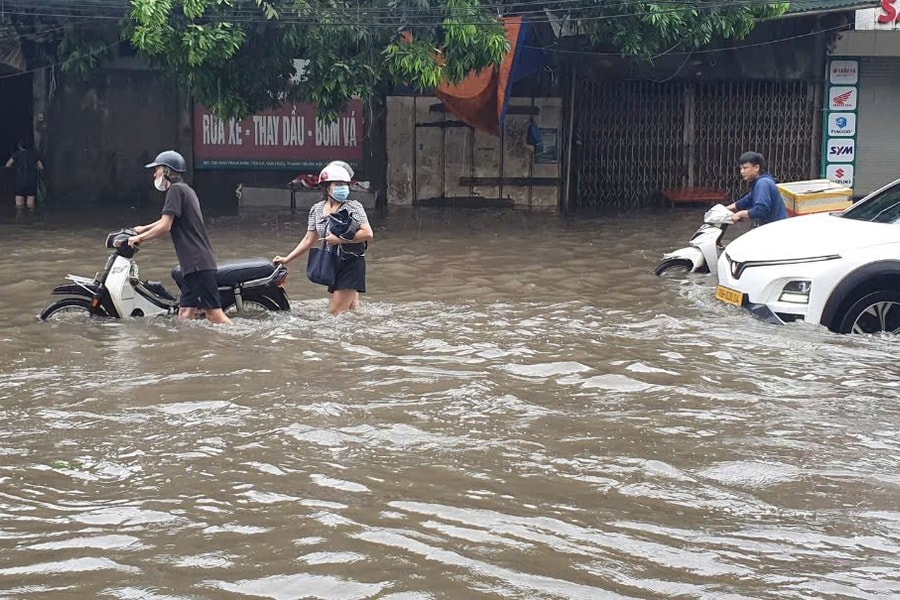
pixel 729 296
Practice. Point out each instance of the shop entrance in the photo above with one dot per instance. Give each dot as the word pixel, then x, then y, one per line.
pixel 15 124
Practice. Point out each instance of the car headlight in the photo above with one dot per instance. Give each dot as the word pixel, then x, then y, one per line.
pixel 796 292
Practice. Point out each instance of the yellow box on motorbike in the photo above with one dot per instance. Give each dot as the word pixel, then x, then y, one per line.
pixel 814 196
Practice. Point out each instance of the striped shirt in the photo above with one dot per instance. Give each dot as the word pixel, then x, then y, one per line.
pixel 319 222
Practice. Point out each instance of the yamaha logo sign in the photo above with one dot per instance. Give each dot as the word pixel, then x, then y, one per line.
pixel 843 72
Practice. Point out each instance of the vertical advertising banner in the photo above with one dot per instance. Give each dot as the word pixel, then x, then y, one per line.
pixel 841 116
pixel 288 137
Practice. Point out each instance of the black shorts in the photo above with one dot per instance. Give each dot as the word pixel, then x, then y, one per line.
pixel 351 274
pixel 200 291
pixel 28 189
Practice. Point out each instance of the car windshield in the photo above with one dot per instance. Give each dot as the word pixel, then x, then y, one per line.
pixel 883 208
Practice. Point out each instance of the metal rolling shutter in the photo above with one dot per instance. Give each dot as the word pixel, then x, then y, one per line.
pixel 878 135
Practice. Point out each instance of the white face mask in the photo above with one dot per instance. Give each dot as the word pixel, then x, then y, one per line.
pixel 160 183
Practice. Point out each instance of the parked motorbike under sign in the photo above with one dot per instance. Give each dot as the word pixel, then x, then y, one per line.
pixel 245 286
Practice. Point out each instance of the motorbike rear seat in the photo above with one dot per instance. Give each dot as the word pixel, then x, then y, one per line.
pixel 232 273
pixel 159 289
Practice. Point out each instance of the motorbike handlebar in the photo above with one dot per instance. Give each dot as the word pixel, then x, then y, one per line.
pixel 118 241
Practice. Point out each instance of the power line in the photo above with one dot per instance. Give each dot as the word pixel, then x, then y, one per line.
pixel 703 51
pixel 510 7
pixel 38 33
pixel 437 14
pixel 57 64
pixel 257 18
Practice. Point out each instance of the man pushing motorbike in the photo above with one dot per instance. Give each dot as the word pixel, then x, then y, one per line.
pixel 764 203
pixel 182 217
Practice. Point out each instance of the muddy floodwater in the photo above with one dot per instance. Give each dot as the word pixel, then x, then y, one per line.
pixel 519 410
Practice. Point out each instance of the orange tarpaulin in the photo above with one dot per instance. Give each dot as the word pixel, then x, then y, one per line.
pixel 479 100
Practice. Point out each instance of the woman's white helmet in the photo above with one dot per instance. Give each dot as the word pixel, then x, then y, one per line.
pixel 341 163
pixel 336 171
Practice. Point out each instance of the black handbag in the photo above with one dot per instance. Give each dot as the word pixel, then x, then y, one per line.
pixel 321 267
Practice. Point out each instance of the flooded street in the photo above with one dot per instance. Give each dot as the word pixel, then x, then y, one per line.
pixel 520 410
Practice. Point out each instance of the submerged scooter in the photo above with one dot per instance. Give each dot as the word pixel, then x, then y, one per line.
pixel 245 286
pixel 702 253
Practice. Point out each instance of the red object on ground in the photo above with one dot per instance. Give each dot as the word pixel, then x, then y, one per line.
pixel 701 195
pixel 304 181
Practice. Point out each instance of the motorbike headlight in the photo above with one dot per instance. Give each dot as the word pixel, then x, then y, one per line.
pixel 796 292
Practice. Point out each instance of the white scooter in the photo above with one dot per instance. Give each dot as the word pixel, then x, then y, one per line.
pixel 249 285
pixel 702 253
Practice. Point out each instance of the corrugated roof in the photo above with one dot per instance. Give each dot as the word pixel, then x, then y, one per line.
pixel 804 6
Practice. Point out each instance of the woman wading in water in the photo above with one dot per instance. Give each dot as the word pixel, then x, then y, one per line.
pixel 350 262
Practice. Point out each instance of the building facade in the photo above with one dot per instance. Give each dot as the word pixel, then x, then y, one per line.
pixel 864 81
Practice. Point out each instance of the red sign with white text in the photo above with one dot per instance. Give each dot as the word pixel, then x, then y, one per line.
pixel 289 137
pixel 889 12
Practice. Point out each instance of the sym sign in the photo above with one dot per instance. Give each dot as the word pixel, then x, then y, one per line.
pixel 886 16
pixel 842 150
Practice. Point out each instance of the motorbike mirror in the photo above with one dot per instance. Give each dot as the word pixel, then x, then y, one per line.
pixel 717 215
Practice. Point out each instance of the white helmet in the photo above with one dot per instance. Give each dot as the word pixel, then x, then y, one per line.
pixel 341 164
pixel 335 173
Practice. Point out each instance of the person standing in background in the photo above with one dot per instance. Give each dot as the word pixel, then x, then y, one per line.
pixel 28 164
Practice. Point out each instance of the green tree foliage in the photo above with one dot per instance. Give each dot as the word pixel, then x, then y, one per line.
pixel 239 56
pixel 646 29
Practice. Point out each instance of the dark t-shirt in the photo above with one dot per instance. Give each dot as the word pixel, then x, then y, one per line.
pixel 25 164
pixel 188 231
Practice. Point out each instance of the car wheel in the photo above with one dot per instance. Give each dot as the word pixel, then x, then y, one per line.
pixel 873 313
pixel 674 267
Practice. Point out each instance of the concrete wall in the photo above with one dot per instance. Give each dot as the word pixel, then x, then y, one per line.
pixel 867 43
pixel 97 135
pixel 429 151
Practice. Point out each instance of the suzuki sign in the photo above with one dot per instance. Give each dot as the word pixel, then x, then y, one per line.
pixel 842 174
pixel 886 16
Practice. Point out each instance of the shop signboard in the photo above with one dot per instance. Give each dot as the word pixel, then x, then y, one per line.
pixel 885 16
pixel 840 120
pixel 289 137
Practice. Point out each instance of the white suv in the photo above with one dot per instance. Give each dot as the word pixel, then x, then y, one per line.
pixel 840 269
